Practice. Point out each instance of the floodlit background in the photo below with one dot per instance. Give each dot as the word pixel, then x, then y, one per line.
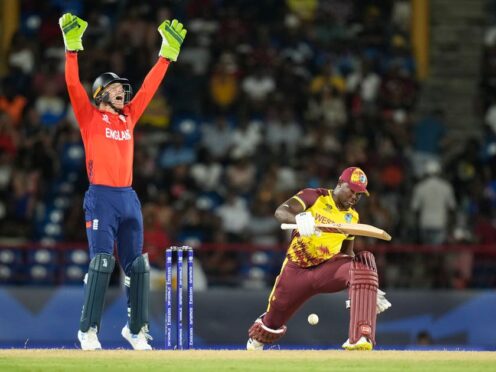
pixel 267 97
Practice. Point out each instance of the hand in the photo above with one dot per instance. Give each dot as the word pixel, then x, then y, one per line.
pixel 306 223
pixel 382 303
pixel 173 34
pixel 73 29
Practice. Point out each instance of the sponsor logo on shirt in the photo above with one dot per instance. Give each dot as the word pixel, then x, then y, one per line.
pixel 118 135
pixel 95 224
pixel 105 118
pixel 348 217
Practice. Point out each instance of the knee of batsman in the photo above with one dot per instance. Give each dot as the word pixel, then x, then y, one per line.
pixel 363 270
pixel 260 332
pixel 364 260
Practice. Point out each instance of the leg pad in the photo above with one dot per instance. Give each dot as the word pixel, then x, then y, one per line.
pixel 139 293
pixel 363 297
pixel 97 281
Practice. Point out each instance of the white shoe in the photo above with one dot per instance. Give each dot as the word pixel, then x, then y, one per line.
pixel 362 344
pixel 254 345
pixel 138 341
pixel 89 339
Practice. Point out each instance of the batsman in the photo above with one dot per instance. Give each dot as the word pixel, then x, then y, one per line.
pixel 112 208
pixel 319 261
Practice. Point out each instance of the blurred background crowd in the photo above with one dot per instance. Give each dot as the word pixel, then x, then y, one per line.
pixel 267 97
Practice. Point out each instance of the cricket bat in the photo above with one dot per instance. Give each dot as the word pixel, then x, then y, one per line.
pixel 359 229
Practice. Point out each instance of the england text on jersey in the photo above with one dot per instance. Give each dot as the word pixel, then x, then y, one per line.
pixel 108 138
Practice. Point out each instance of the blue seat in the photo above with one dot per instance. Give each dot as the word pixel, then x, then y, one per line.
pixel 9 274
pixel 76 256
pixel 74 274
pixel 38 274
pixel 10 256
pixel 42 256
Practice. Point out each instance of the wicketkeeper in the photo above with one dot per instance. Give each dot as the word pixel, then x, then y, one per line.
pixel 320 261
pixel 112 208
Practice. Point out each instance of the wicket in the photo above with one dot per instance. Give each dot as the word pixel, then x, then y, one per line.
pixel 179 297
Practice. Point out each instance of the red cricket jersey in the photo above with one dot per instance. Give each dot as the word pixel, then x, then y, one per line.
pixel 108 138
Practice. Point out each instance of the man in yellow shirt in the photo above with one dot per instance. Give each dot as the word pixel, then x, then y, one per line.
pixel 320 261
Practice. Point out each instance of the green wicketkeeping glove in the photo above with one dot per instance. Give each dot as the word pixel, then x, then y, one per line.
pixel 173 34
pixel 73 29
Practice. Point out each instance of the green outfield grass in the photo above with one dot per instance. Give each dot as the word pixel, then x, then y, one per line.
pixel 273 360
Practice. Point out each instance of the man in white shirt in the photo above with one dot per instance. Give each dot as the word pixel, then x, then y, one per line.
pixel 433 199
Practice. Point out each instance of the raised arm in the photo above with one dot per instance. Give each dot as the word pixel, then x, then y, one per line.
pixel 81 104
pixel 148 89
pixel 72 30
pixel 173 34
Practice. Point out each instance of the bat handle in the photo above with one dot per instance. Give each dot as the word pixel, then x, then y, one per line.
pixel 288 226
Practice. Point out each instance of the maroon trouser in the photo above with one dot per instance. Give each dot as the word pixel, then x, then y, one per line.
pixel 295 285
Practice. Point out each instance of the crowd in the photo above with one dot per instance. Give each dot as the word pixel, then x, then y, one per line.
pixel 267 98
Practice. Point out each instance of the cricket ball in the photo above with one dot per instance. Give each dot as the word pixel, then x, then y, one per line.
pixel 313 319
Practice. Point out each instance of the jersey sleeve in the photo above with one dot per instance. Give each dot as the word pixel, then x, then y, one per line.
pixel 307 197
pixel 148 88
pixel 81 104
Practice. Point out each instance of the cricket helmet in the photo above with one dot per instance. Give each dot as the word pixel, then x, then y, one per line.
pixel 106 79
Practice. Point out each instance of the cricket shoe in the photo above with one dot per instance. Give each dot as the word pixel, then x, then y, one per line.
pixel 253 344
pixel 362 344
pixel 89 339
pixel 138 341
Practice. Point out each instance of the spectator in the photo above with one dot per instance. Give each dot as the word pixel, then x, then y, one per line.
pixel 246 137
pixel 240 175
pixel 283 132
pixel 176 153
pixel 235 217
pixel 258 86
pixel 263 227
pixel 8 135
pixel 217 137
pixel 296 95
pixel 12 103
pixel 206 172
pixel 434 202
pixel 224 83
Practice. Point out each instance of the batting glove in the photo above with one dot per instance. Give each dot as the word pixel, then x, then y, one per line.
pixel 173 34
pixel 73 29
pixel 382 303
pixel 306 223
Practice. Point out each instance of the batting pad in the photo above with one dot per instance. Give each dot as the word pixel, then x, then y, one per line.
pixel 139 293
pixel 363 297
pixel 100 269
